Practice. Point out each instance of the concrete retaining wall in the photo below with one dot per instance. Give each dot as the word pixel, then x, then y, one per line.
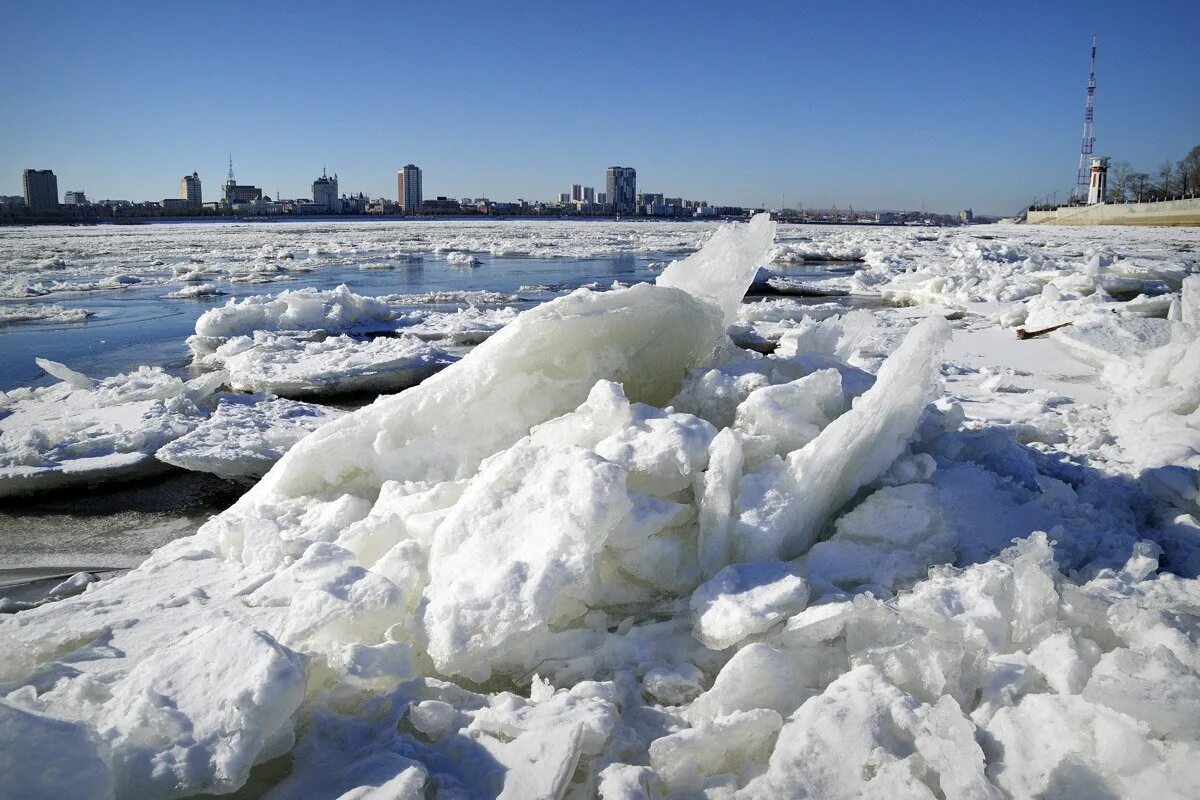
pixel 1167 212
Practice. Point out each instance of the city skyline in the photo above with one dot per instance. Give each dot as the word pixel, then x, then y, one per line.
pixel 941 106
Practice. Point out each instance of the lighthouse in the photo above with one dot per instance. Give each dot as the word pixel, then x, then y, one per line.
pixel 1098 186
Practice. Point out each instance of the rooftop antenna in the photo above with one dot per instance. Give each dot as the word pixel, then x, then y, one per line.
pixel 231 179
pixel 1089 135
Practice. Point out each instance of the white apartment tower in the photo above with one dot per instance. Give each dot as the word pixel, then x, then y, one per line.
pixel 189 190
pixel 408 188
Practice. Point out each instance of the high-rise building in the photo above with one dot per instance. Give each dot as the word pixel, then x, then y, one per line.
pixel 408 188
pixel 601 198
pixel 564 198
pixel 41 189
pixel 589 194
pixel 621 185
pixel 576 191
pixel 325 193
pixel 189 190
pixel 75 198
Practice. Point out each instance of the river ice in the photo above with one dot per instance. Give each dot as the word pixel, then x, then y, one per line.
pixel 608 552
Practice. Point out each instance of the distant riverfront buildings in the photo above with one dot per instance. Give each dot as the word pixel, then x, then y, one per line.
pixel 408 188
pixel 621 198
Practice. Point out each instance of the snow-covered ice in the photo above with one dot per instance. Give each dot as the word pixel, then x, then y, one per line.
pixel 82 430
pixel 895 553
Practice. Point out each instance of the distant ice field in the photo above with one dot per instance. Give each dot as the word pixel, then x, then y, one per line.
pixel 122 276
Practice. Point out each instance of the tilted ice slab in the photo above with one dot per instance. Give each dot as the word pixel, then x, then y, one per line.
pixel 290 366
pixel 782 510
pixel 82 430
pixel 245 436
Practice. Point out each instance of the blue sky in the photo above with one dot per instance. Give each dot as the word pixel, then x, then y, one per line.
pixel 879 105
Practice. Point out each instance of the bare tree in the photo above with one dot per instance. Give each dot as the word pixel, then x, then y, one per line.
pixel 1118 180
pixel 1140 183
pixel 1189 170
pixel 1166 171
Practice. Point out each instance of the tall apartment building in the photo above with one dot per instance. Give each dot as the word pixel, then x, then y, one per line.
pixel 189 190
pixel 576 191
pixel 621 186
pixel 325 193
pixel 589 194
pixel 408 188
pixel 41 189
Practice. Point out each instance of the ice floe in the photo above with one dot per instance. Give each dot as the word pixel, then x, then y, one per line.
pixel 245 436
pixel 82 430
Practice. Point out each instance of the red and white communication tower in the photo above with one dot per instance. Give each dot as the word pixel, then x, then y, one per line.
pixel 1082 177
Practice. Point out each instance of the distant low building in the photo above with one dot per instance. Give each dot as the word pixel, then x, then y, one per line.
pixel 75 198
pixel 241 193
pixel 40 189
pixel 966 216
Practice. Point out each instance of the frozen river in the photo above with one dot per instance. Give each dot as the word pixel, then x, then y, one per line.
pixel 638 539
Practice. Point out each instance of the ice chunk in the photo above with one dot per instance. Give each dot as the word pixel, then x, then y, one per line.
pixel 334 311
pixel 745 599
pixel 66 374
pixel 891 538
pixel 492 593
pixel 758 676
pixel 727 744
pixel 245 436
pixel 1151 686
pixel 865 737
pixel 793 413
pixel 780 513
pixel 723 269
pixel 175 726
pixel 716 496
pixel 1190 297
pixel 1064 745
pixel 292 367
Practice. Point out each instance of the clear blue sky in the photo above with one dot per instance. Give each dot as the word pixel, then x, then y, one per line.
pixel 879 105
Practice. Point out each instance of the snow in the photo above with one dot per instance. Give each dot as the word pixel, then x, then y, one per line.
pixel 609 553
